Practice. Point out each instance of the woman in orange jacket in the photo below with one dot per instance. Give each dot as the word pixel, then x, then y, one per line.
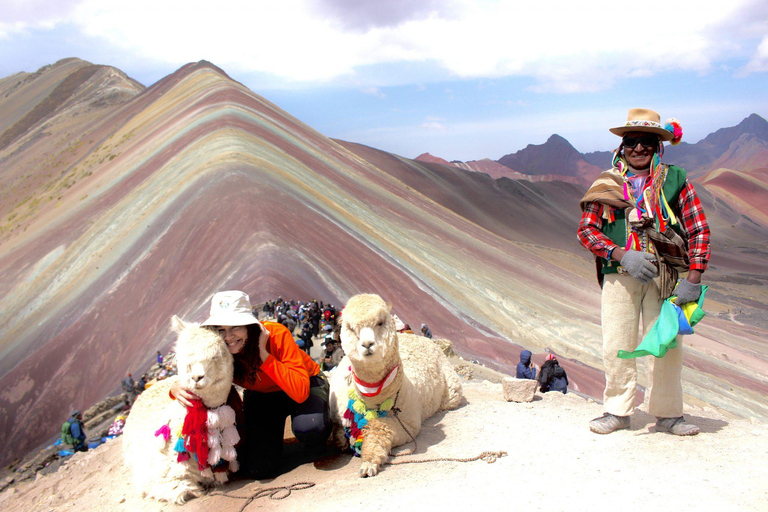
pixel 279 379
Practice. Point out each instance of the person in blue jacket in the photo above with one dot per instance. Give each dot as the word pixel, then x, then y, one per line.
pixel 525 369
pixel 78 434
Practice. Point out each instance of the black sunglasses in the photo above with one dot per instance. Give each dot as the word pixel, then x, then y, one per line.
pixel 647 141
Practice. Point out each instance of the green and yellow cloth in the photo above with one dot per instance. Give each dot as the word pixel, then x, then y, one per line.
pixel 673 320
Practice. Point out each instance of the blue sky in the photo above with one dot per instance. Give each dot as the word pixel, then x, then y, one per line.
pixel 461 79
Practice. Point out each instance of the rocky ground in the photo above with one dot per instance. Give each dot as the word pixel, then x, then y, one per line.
pixel 48 459
pixel 550 461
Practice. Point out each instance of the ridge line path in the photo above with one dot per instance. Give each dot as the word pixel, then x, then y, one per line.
pixel 554 463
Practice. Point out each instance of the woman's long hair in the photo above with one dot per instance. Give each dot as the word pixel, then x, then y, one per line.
pixel 248 361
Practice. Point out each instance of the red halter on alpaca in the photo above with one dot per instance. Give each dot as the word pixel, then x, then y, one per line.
pixel 372 389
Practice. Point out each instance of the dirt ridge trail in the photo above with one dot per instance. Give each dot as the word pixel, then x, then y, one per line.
pixel 552 458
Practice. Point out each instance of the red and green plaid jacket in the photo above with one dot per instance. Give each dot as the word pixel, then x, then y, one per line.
pixel 692 218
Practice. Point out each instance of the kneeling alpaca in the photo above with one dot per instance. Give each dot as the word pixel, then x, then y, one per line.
pixel 385 373
pixel 170 450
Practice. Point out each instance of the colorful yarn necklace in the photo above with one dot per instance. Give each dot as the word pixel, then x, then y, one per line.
pixel 357 416
pixel 650 202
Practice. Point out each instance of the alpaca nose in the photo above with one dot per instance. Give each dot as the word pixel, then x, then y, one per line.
pixel 367 338
pixel 197 377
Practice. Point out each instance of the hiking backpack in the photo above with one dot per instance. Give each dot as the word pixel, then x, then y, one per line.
pixel 66 433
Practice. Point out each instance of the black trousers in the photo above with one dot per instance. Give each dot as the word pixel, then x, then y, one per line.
pixel 265 415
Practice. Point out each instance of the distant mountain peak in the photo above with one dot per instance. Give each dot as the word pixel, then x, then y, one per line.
pixel 426 157
pixel 555 156
pixel 555 142
pixel 555 138
pixel 755 125
pixel 736 147
pixel 724 137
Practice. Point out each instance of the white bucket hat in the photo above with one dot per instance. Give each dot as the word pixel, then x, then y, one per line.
pixel 230 308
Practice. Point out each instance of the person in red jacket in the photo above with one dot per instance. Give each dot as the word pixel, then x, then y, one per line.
pixel 279 378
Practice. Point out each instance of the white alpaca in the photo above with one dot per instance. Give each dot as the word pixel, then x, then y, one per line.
pixel 154 426
pixel 383 369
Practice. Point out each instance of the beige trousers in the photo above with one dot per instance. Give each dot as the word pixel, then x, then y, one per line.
pixel 624 301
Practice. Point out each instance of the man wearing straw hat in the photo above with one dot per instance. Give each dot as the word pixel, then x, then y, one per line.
pixel 643 222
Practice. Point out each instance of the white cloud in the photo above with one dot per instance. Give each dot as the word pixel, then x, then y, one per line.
pixel 434 124
pixel 564 46
pixel 35 12
pixel 374 91
pixel 21 16
pixel 7 30
pixel 759 62
pixel 640 73
pixel 362 15
pixel 280 38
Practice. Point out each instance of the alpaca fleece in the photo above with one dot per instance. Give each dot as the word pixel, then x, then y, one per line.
pixel 159 469
pixel 424 381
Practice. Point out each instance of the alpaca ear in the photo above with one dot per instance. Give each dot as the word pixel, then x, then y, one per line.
pixel 177 324
pixel 389 307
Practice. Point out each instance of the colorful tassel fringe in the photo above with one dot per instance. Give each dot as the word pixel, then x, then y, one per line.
pixel 357 416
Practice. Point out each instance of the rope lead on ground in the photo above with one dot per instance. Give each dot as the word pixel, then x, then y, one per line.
pixel 489 457
pixel 274 493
